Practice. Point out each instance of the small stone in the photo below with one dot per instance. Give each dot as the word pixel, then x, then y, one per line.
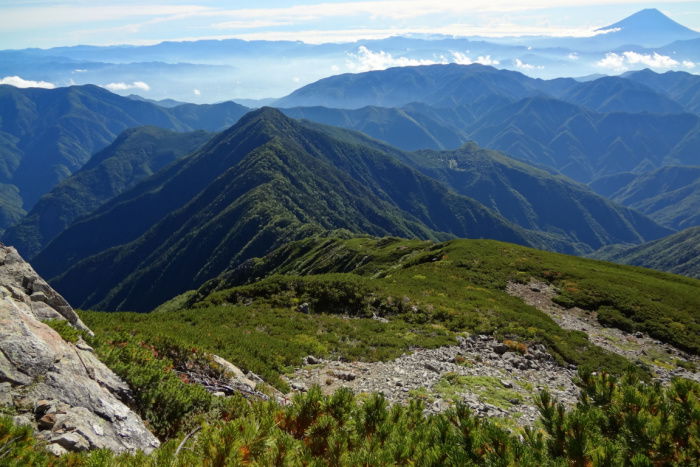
pixel 47 421
pixel 431 367
pixel 303 308
pixel 638 335
pixel 56 449
pixel 506 384
pixel 83 346
pixel 218 394
pixel 311 360
pixel 344 375
pixel 500 349
pixel 297 386
pixel 72 441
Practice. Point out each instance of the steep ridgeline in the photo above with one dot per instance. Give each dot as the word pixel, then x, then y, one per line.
pixel 136 154
pixel 529 197
pixel 670 195
pixel 546 132
pixel 60 388
pixel 586 145
pixel 47 134
pixel 266 181
pixel 678 253
pixel 535 199
pixel 680 86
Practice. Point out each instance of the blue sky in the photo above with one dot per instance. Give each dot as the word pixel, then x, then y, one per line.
pixel 47 23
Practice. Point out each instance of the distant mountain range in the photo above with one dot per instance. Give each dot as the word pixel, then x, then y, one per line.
pixel 136 154
pixel 47 134
pixel 583 130
pixel 669 195
pixel 270 179
pixel 678 253
pixel 217 70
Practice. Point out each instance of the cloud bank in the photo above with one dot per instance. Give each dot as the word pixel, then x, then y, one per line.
pixel 367 60
pixel 629 59
pixel 18 82
pixel 136 85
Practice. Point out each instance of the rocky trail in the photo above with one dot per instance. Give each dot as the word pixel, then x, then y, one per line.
pixel 487 375
pixel 660 357
pixel 495 379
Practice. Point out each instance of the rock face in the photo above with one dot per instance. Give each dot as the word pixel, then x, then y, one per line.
pixel 71 398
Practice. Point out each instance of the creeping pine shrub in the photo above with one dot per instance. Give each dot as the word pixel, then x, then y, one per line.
pixel 160 396
pixel 621 422
pixel 18 446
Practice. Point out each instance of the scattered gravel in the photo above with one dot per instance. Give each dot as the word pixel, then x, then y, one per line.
pixel 478 372
pixel 660 357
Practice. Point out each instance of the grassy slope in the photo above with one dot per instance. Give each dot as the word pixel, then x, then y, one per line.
pixel 429 291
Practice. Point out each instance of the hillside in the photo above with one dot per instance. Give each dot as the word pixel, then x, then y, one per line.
pixel 529 197
pixel 533 198
pixel 48 134
pixel 670 195
pixel 437 85
pixel 678 253
pixel 583 130
pixel 615 94
pixel 680 86
pixel 136 154
pixel 265 181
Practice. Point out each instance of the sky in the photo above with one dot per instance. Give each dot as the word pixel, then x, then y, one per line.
pixel 48 23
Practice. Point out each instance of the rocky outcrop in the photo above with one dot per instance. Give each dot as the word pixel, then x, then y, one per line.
pixel 60 388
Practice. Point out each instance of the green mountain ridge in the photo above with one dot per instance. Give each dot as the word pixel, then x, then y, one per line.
pixel 678 253
pixel 266 181
pixel 136 154
pixel 669 195
pixel 48 134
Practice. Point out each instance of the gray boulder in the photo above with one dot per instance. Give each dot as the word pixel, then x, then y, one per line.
pixel 73 400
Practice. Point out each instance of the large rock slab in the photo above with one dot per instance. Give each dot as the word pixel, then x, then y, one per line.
pixel 62 389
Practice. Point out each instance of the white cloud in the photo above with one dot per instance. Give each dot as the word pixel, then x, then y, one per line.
pixel 625 60
pixel 526 66
pixel 366 60
pixel 140 85
pixel 573 56
pixel 79 70
pixel 196 92
pixel 18 82
pixel 464 59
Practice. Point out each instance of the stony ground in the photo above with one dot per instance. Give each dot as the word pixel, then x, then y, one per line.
pixel 496 379
pixel 661 358
pixel 482 372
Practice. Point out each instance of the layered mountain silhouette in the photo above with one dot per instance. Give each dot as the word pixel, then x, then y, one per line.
pixel 48 134
pixel 266 181
pixel 682 87
pixel 678 253
pixel 543 131
pixel 670 195
pixel 136 154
